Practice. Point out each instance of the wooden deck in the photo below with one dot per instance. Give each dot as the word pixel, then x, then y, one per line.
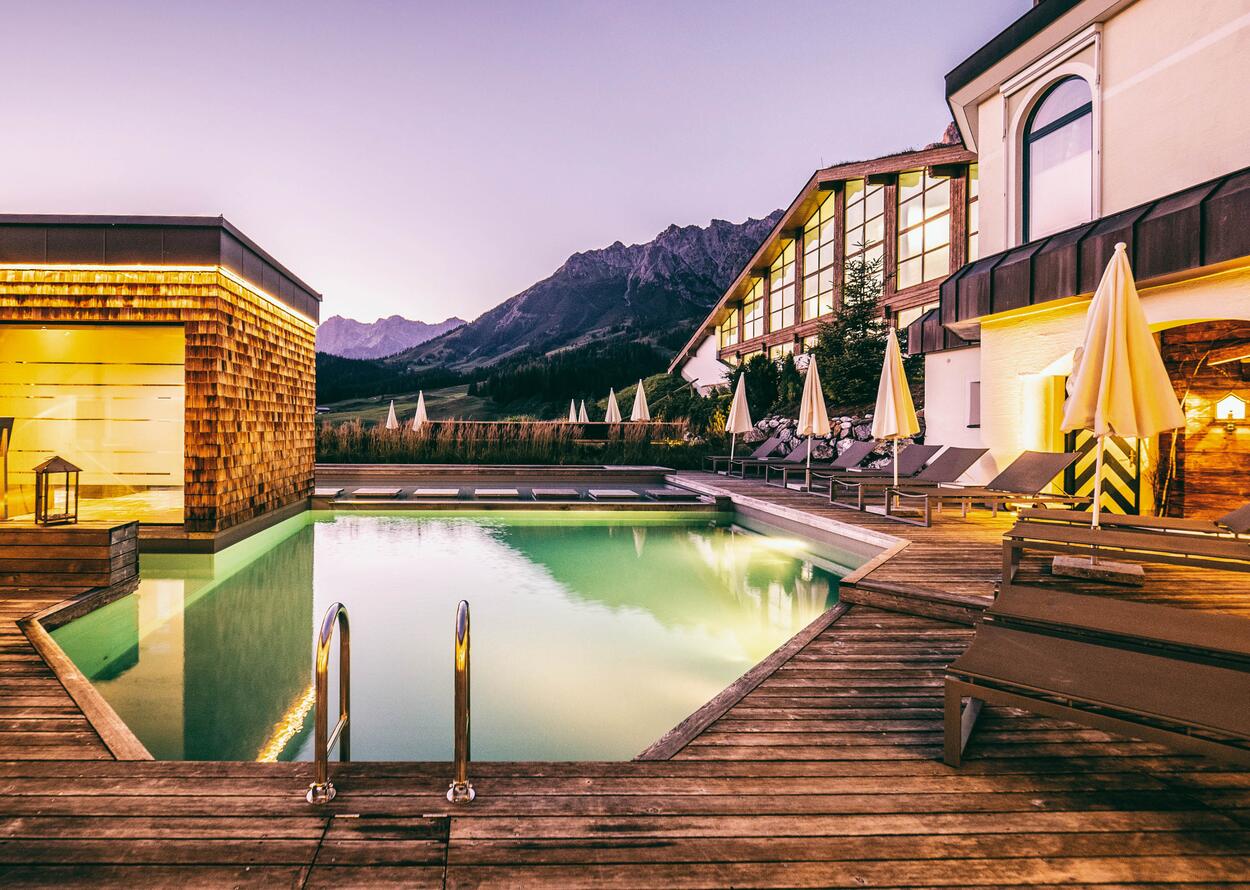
pixel 826 773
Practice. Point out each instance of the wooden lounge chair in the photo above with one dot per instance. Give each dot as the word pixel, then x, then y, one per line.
pixel 1233 523
pixel 327 492
pixel 496 494
pixel 556 494
pixel 431 494
pixel 675 495
pixel 850 490
pixel 1204 550
pixel 614 494
pixel 767 447
pixel 852 456
pixel 1021 482
pixel 797 456
pixel 1124 667
pixel 376 493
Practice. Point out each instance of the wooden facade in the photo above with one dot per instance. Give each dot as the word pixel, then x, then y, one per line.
pixel 942 160
pixel 250 374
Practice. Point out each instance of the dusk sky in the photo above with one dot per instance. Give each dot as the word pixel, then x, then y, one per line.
pixel 432 159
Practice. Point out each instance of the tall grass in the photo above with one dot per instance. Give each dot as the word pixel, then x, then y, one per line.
pixel 511 442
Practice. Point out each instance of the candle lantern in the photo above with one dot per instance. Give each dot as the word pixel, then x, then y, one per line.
pixel 51 477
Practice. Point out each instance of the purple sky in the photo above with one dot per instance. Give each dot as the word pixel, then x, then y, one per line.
pixel 433 159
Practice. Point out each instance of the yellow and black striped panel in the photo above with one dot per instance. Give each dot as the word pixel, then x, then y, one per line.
pixel 1121 474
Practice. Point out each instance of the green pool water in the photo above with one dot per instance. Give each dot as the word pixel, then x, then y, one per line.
pixel 592 634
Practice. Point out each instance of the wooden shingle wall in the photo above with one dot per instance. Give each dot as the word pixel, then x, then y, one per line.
pixel 250 376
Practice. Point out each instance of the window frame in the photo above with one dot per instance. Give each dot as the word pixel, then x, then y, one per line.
pixel 779 289
pixel 928 184
pixel 1028 137
pixel 825 214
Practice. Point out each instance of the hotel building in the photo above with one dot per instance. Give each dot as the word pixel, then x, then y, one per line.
pixel 916 211
pixel 1096 122
pixel 170 358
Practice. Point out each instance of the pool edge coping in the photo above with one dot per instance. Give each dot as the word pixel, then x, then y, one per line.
pixel 104 721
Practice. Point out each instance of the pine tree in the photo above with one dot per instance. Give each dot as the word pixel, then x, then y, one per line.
pixel 850 347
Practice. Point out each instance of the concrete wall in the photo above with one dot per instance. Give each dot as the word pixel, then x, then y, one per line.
pixel 1169 90
pixel 948 377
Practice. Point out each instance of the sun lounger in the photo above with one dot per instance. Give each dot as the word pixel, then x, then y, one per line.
pixel 1021 482
pixel 672 494
pixel 765 448
pixel 436 493
pixel 557 494
pixel 1233 523
pixel 850 457
pixel 327 492
pixel 851 490
pixel 496 493
pixel 1124 667
pixel 797 456
pixel 376 493
pixel 1199 550
pixel 614 494
pixel 911 460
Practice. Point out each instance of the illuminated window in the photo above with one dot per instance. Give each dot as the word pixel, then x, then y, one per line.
pixel 819 237
pixel 924 228
pixel 865 221
pixel 1059 160
pixel 753 312
pixel 781 350
pixel 1230 408
pixel 974 212
pixel 781 290
pixel 809 342
pixel 905 317
pixel 729 329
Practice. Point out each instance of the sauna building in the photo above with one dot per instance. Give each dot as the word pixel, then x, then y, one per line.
pixel 915 211
pixel 170 358
pixel 1097 122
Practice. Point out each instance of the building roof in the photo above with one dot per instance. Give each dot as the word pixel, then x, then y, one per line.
pixel 801 209
pixel 1007 41
pixel 151 241
pixel 1203 227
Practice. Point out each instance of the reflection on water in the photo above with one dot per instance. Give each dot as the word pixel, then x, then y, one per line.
pixel 591 636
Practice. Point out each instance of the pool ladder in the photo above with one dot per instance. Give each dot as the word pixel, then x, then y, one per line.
pixel 322 790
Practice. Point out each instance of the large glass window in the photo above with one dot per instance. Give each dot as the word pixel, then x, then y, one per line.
pixel 865 221
pixel 753 311
pixel 924 228
pixel 1059 160
pixel 109 399
pixel 974 212
pixel 819 241
pixel 781 290
pixel 729 329
pixel 781 350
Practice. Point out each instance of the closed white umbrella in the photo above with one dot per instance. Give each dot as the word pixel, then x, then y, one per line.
pixel 813 417
pixel 392 422
pixel 582 416
pixel 739 419
pixel 894 416
pixel 572 411
pixel 614 410
pixel 640 411
pixel 420 419
pixel 1119 385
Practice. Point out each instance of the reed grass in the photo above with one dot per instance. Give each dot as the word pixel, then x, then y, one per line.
pixel 513 442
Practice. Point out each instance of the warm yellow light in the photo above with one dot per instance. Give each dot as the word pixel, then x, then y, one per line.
pixel 1231 407
pixel 288 726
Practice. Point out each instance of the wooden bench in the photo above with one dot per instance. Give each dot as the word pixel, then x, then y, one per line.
pixel 1204 550
pixel 1177 676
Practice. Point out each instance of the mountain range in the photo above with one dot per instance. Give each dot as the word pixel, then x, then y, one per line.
pixel 349 338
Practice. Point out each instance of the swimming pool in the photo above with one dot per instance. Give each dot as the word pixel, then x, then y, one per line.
pixel 593 634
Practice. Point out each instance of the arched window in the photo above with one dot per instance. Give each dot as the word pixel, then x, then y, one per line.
pixel 1059 160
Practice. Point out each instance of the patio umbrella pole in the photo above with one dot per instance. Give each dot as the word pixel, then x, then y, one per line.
pixel 896 462
pixel 809 464
pixel 1102 442
pixel 733 440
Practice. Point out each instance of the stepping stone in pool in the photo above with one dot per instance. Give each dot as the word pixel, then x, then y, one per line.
pixel 557 494
pixel 496 493
pixel 376 493
pixel 671 494
pixel 327 492
pixel 614 494
pixel 436 493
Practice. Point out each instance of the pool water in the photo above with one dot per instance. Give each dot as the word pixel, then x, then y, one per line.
pixel 592 634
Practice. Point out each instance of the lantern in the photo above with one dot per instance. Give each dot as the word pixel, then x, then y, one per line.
pixel 6 432
pixel 47 476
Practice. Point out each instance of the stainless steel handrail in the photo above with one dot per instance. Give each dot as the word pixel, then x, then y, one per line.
pixel 322 790
pixel 461 790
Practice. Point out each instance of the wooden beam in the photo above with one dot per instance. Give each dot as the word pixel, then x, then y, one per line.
pixel 882 178
pixel 831 185
pixel 1238 353
pixel 947 171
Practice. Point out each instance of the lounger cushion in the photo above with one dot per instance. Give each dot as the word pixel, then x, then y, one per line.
pixel 376 492
pixel 327 492
pixel 614 494
pixel 557 494
pixel 496 492
pixel 436 493
pixel 671 494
